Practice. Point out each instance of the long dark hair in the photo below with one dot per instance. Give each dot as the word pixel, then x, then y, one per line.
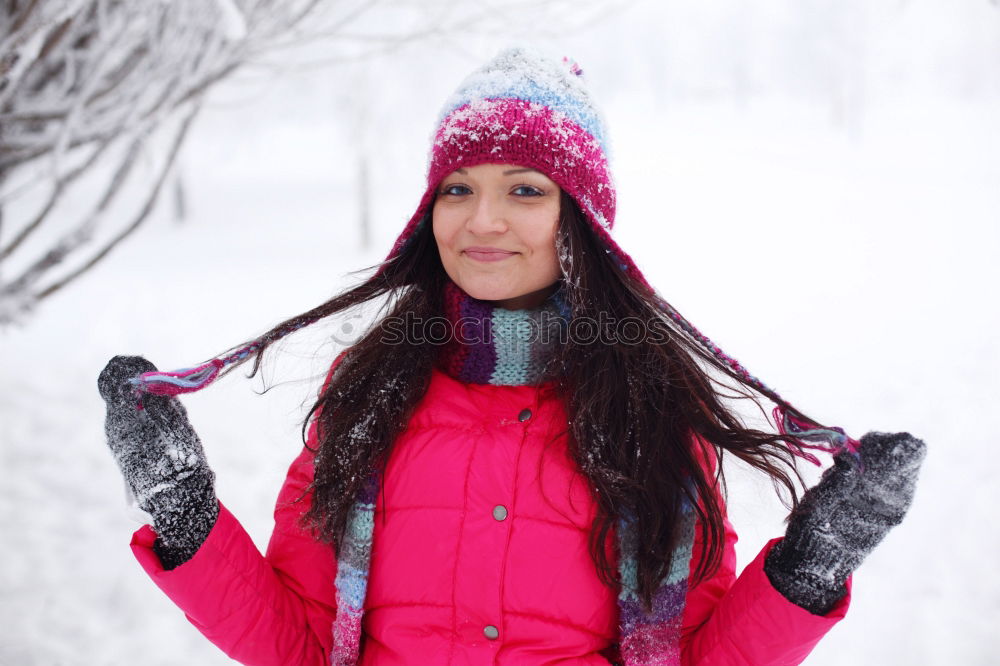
pixel 643 418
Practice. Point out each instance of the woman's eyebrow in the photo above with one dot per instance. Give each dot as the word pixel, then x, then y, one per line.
pixel 513 171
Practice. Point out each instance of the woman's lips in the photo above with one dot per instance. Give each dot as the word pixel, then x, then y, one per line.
pixel 487 254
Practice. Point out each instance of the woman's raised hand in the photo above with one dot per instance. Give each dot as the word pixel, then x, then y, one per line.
pixel 842 518
pixel 161 458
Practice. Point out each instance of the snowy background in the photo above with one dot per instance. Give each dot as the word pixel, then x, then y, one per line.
pixel 816 185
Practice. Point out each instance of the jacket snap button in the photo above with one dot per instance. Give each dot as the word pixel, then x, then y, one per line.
pixel 491 632
pixel 500 512
pixel 524 415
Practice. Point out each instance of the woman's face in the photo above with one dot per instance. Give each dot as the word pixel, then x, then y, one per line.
pixel 495 227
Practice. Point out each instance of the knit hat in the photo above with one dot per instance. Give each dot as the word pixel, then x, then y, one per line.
pixel 526 109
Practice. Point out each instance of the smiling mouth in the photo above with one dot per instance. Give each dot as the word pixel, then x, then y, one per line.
pixel 487 255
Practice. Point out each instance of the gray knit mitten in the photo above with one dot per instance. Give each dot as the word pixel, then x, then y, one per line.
pixel 162 460
pixel 842 518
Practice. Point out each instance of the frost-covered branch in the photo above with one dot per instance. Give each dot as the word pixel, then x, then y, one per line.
pixel 86 88
pixel 139 218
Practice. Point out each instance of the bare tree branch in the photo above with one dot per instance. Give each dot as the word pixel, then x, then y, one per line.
pixel 81 234
pixel 136 222
pixel 58 187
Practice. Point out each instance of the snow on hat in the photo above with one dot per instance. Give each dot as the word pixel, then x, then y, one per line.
pixel 526 109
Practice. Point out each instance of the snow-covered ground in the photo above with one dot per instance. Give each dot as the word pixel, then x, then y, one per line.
pixel 852 268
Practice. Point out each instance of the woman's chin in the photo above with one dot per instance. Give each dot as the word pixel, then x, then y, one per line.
pixel 511 299
pixel 490 292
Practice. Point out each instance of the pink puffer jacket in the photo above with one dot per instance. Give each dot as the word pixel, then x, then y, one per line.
pixel 480 557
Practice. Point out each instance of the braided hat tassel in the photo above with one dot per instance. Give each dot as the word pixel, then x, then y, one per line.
pixel 189 380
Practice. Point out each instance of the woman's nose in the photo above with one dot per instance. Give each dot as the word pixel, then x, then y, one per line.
pixel 487 216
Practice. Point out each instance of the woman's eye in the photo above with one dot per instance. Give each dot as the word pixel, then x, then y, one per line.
pixel 527 191
pixel 455 189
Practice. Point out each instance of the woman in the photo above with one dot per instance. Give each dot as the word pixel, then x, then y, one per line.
pixel 521 464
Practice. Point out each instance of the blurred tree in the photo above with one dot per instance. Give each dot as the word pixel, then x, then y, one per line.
pixel 87 87
pixel 97 96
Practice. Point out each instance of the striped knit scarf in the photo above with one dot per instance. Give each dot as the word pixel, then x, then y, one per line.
pixel 511 347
